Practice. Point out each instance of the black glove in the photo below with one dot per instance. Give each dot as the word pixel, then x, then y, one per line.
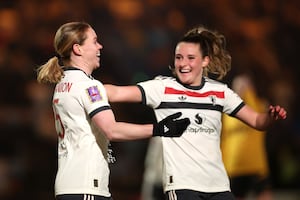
pixel 170 127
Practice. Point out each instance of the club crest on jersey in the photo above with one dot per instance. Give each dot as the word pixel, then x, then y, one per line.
pixel 94 94
pixel 213 99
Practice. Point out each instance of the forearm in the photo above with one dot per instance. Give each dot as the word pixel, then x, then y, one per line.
pixel 171 126
pixel 274 113
pixel 261 121
pixel 122 131
pixel 112 92
pixel 123 93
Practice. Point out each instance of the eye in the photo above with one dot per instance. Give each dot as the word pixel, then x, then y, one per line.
pixel 95 40
pixel 178 57
pixel 191 57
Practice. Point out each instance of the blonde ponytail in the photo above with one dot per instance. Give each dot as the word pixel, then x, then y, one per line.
pixel 50 72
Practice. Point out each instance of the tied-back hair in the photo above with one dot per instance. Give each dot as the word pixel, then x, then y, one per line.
pixel 66 36
pixel 213 45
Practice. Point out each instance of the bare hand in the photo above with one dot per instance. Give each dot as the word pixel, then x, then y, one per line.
pixel 277 112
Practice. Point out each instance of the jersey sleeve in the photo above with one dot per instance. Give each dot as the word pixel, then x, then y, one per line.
pixel 152 92
pixel 233 102
pixel 94 98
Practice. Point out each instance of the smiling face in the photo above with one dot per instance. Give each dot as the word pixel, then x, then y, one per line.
pixel 189 63
pixel 90 50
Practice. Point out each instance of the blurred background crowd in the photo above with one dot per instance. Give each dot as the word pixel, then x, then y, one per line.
pixel 139 37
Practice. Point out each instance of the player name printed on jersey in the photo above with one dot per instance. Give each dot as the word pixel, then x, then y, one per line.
pixel 63 87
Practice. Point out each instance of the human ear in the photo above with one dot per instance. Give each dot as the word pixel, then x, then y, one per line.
pixel 205 61
pixel 77 49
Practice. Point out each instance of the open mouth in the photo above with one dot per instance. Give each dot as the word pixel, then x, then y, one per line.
pixel 184 70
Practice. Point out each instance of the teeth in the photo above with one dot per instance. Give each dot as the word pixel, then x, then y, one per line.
pixel 99 54
pixel 184 70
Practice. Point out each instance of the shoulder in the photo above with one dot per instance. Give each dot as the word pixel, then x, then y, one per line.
pixel 213 82
pixel 164 78
pixel 89 84
pixel 158 81
pixel 157 84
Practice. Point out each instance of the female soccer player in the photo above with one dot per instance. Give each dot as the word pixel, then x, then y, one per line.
pixel 83 117
pixel 193 167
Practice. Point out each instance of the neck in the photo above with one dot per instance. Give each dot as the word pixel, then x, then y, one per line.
pixel 82 67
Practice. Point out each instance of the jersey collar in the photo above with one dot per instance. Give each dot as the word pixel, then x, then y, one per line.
pixel 67 68
pixel 203 80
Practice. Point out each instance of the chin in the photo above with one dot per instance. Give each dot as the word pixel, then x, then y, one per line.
pixel 183 79
pixel 96 67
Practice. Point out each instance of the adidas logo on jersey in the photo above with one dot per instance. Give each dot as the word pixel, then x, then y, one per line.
pixel 182 98
pixel 166 129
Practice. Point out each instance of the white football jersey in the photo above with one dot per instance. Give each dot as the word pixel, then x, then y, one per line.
pixel 82 150
pixel 194 160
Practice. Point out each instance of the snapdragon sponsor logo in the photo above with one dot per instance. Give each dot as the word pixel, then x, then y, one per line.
pixel 200 119
pixel 196 130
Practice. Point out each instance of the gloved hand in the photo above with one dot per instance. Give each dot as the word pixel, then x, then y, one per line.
pixel 171 126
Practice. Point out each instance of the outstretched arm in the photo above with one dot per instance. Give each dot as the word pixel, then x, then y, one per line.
pixel 170 126
pixel 123 93
pixel 261 121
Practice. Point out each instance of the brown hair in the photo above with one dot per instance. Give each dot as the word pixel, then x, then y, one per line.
pixel 66 36
pixel 213 45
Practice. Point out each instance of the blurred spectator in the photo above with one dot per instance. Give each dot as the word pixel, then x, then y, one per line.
pixel 152 187
pixel 283 139
pixel 243 148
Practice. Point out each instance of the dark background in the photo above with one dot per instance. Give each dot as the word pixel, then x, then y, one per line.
pixel 139 37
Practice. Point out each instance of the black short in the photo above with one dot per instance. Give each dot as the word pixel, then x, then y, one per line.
pixel 81 197
pixel 242 185
pixel 195 195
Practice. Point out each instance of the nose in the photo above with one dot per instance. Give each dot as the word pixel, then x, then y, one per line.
pixel 182 62
pixel 100 46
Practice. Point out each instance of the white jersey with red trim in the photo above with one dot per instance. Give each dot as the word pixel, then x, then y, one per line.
pixel 82 150
pixel 194 160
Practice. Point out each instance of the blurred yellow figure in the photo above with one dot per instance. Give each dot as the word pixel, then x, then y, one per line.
pixel 243 148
